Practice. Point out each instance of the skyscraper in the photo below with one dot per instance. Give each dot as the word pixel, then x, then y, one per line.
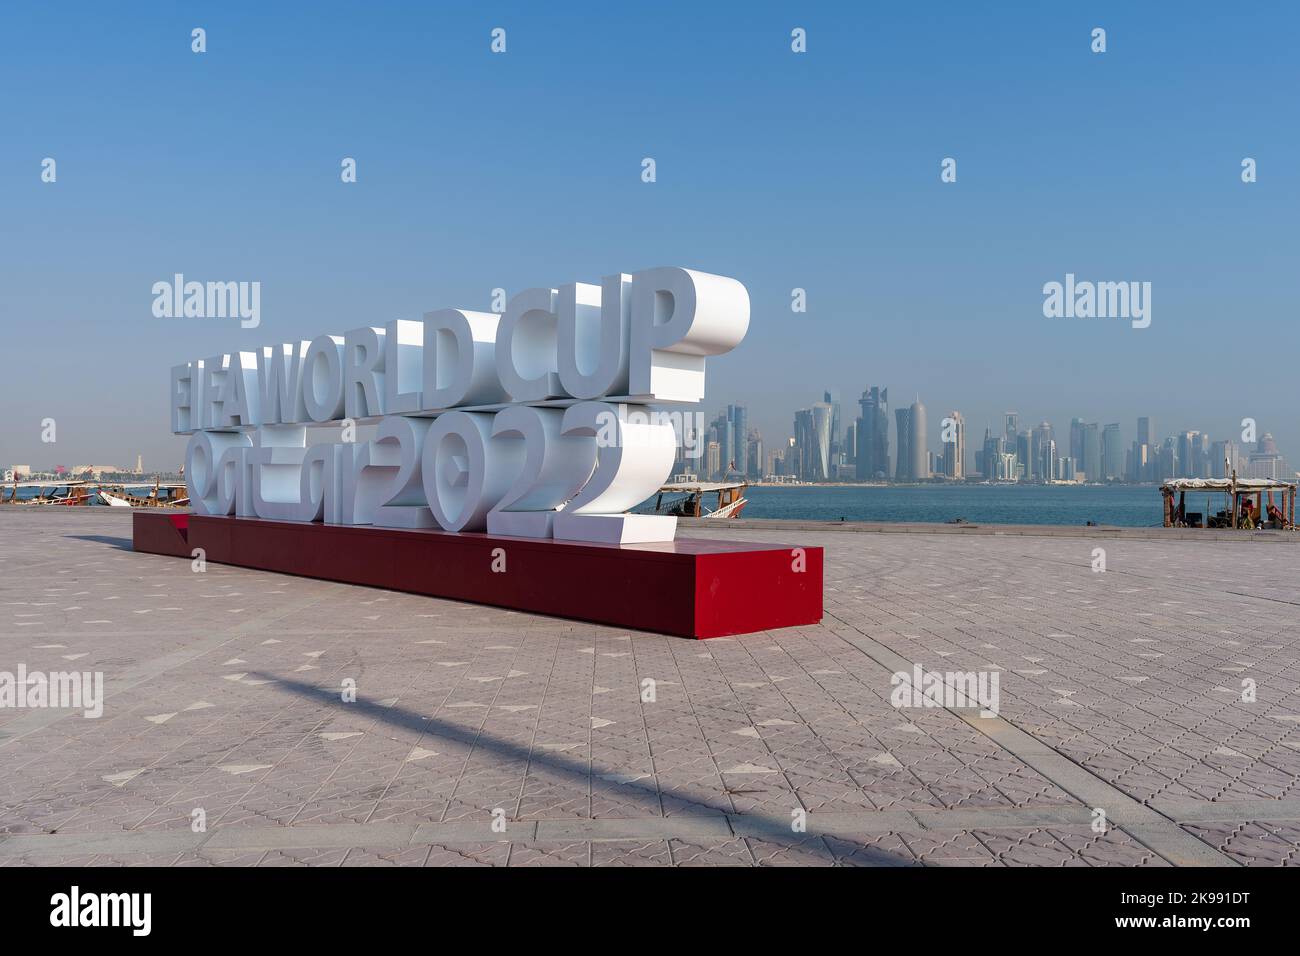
pixel 812 437
pixel 1141 460
pixel 1048 465
pixel 1038 440
pixel 1186 455
pixel 954 444
pixel 903 419
pixel 1091 452
pixel 1165 463
pixel 834 403
pixel 738 447
pixel 873 434
pixel 837 437
pixel 1010 428
pixel 713 437
pixel 917 442
pixel 1223 455
pixel 992 454
pixel 823 424
pixel 1112 453
pixel 801 444
pixel 1076 442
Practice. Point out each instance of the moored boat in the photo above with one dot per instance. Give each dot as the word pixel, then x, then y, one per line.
pixel 690 499
pixel 62 493
pixel 169 495
pixel 85 493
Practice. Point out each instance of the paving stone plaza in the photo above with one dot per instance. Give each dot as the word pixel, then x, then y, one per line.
pixel 1148 715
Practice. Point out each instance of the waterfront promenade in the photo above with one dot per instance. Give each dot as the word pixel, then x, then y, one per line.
pixel 480 736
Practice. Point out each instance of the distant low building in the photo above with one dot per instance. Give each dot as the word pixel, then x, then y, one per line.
pixel 1266 461
pixel 1007 467
pixel 713 459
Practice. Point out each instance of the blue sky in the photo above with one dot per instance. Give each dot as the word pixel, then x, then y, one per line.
pixel 816 170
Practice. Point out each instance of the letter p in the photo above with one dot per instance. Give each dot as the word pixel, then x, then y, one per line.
pixel 678 317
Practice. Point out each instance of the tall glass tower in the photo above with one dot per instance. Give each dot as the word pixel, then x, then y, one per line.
pixel 903 472
pixel 873 434
pixel 738 448
pixel 917 442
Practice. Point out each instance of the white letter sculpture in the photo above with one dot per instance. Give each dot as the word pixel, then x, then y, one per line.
pixel 535 423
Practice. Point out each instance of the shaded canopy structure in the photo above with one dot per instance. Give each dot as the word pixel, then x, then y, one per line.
pixel 1244 506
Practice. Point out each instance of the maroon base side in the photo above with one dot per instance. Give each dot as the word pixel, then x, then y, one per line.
pixel 690 587
pixel 160 533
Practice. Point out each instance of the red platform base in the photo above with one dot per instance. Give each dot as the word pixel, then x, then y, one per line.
pixel 691 587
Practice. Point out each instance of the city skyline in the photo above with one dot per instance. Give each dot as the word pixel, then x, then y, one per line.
pixel 823 445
